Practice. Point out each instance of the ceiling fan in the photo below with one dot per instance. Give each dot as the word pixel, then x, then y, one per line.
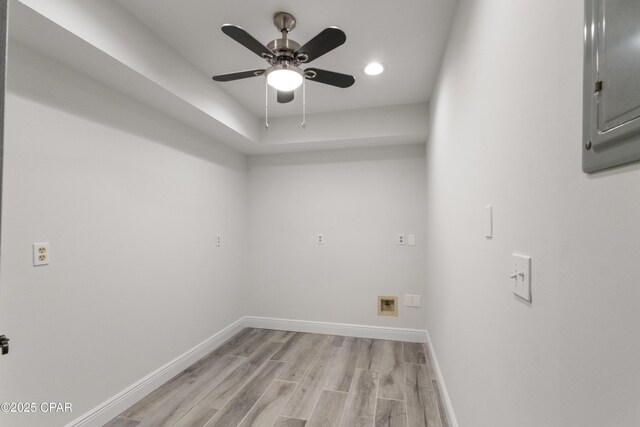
pixel 285 56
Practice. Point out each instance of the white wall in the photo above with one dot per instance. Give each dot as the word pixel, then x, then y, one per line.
pixel 506 130
pixel 130 202
pixel 359 199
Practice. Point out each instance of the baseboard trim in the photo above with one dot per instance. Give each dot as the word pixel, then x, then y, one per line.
pixel 111 408
pixel 344 329
pixel 443 388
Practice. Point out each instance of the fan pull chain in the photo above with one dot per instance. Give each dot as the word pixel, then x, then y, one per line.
pixel 266 105
pixel 304 104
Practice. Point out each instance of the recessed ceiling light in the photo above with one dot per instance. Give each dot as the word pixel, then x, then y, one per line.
pixel 374 68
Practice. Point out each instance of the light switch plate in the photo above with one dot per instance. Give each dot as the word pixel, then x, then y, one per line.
pixel 416 300
pixel 411 239
pixel 521 276
pixel 408 300
pixel 488 222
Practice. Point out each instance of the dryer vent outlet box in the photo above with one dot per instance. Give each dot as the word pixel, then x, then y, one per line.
pixel 387 306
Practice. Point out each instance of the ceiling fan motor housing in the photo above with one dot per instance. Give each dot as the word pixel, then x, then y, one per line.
pixel 284 49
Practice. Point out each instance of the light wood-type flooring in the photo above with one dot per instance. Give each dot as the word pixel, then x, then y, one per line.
pixel 269 378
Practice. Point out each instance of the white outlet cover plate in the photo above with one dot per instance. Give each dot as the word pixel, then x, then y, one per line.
pixel 521 283
pixel 400 239
pixel 320 239
pixel 41 249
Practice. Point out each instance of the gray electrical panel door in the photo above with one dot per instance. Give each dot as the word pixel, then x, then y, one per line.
pixel 611 130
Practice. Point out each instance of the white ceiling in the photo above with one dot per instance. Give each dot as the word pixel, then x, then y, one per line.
pixel 408 36
pixel 163 53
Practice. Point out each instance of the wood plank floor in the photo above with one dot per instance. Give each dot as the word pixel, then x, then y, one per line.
pixel 268 378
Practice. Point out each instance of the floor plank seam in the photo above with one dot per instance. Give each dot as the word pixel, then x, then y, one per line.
pixel 335 391
pixel 306 371
pixel 314 408
pixel 255 372
pixel 289 399
pixel 344 409
pixel 127 418
pixel 258 400
pixel 393 400
pixel 375 407
pixel 406 398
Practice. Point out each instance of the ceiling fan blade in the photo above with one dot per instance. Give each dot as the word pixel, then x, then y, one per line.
pixel 329 77
pixel 284 97
pixel 327 40
pixel 246 40
pixel 237 76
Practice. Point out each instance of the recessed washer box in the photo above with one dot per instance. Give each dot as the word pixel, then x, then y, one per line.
pixel 387 306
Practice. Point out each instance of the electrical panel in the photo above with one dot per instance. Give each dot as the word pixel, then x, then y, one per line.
pixel 611 110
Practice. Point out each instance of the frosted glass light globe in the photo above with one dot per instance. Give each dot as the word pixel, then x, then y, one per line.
pixel 284 79
pixel 374 68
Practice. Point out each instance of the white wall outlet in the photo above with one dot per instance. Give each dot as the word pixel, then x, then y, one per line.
pixel 416 300
pixel 218 240
pixel 400 239
pixel 320 239
pixel 521 276
pixel 408 300
pixel 41 255
pixel 411 239
pixel 488 222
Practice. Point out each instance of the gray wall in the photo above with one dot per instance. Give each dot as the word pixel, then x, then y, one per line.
pixel 359 199
pixel 130 203
pixel 506 130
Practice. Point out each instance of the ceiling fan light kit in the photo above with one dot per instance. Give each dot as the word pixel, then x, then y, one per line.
pixel 285 57
pixel 374 69
pixel 284 77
